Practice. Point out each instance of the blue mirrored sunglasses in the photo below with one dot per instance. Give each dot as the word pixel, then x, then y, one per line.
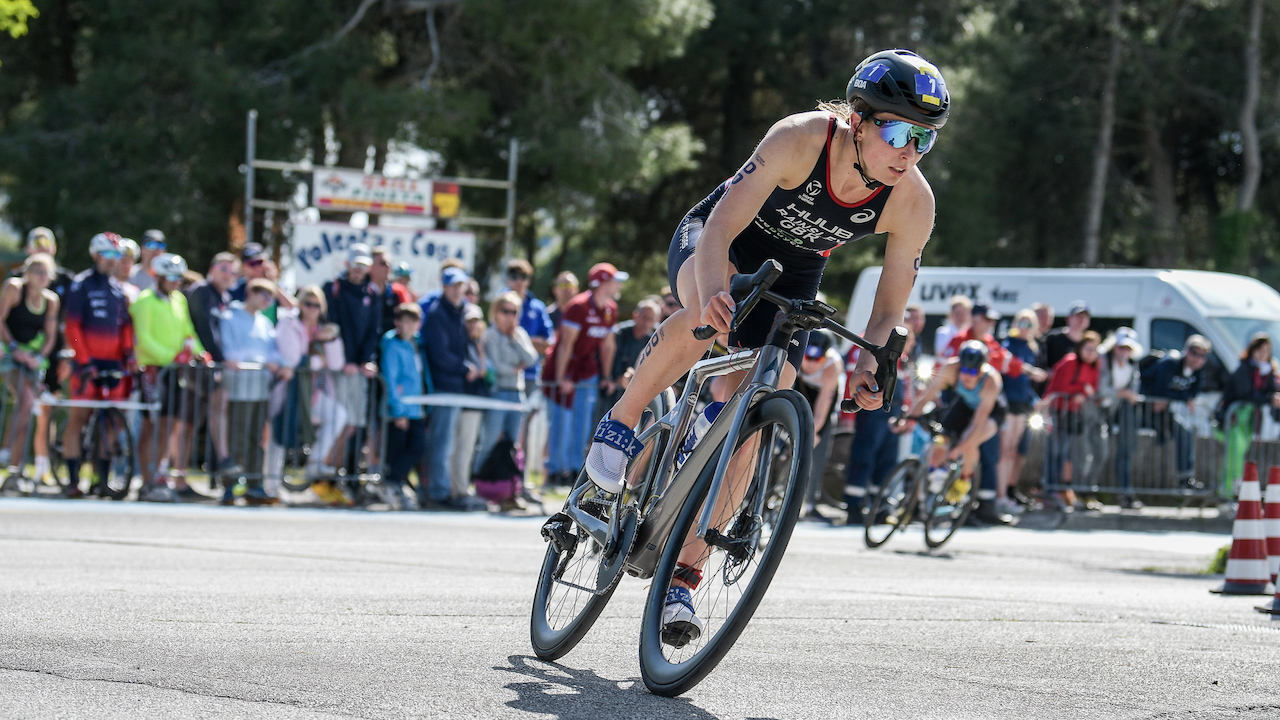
pixel 969 371
pixel 153 245
pixel 110 254
pixel 899 132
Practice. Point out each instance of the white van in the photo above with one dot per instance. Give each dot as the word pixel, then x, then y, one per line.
pixel 1163 306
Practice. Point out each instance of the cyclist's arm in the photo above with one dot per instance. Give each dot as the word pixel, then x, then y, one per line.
pixel 908 219
pixel 784 158
pixel 942 378
pixel 9 298
pixel 990 392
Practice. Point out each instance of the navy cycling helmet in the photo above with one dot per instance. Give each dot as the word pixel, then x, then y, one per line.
pixel 972 355
pixel 903 83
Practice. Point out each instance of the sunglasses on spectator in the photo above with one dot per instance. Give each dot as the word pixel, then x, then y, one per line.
pixel 110 254
pixel 1197 353
pixel 969 371
pixel 254 262
pixel 153 245
pixel 509 311
pixel 173 278
pixel 517 276
pixel 311 305
pixel 899 132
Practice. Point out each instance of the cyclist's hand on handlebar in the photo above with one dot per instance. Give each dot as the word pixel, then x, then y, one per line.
pixel 864 391
pixel 718 312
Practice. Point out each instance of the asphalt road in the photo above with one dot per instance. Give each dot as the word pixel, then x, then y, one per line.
pixel 129 610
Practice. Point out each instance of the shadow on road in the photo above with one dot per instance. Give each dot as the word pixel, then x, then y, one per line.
pixel 569 693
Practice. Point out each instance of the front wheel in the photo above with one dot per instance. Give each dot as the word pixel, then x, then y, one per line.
pixel 946 511
pixel 578 579
pixel 892 508
pixel 741 553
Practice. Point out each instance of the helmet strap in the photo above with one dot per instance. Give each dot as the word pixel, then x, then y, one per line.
pixel 857 151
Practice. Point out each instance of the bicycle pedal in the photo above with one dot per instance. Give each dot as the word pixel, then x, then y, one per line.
pixel 558 530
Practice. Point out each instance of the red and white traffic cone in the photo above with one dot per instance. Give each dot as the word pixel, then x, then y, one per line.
pixel 1271 521
pixel 1247 564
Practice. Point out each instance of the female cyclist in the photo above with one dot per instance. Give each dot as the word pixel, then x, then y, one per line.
pixel 975 414
pixel 817 180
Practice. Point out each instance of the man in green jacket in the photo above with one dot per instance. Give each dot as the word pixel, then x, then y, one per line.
pixel 166 341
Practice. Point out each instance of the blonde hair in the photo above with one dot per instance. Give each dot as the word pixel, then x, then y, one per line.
pixel 1030 315
pixel 510 298
pixel 841 109
pixel 314 291
pixel 44 259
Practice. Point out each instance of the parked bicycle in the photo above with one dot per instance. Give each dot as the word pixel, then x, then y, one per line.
pixel 720 499
pixel 107 444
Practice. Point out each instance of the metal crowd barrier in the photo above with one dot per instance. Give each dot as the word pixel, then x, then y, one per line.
pixel 1151 448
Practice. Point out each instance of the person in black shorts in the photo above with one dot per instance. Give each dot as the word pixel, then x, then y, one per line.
pixel 974 414
pixel 818 180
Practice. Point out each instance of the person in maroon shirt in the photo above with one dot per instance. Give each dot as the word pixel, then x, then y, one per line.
pixel 577 367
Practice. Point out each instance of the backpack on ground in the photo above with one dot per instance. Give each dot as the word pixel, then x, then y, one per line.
pixel 501 475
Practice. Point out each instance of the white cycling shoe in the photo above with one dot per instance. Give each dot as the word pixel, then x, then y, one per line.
pixel 612 447
pixel 680 625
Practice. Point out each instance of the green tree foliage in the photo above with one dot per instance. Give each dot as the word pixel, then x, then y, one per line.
pixel 14 15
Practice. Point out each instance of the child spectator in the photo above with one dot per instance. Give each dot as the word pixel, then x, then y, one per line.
pixel 405 375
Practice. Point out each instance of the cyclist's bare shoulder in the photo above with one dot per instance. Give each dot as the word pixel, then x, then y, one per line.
pixel 910 208
pixel 791 146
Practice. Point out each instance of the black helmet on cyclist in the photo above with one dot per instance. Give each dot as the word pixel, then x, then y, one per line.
pixel 903 83
pixel 972 355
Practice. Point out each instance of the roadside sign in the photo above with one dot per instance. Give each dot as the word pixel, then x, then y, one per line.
pixel 345 190
pixel 319 251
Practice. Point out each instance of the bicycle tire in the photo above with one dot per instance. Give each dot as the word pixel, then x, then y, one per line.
pixel 108 423
pixel 946 516
pixel 897 498
pixel 789 411
pixel 551 643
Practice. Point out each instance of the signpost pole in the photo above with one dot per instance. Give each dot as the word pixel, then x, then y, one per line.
pixel 513 159
pixel 251 141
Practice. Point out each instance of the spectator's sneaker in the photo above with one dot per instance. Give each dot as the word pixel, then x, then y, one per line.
pixel 1131 503
pixel 186 493
pixel 612 446
pixel 228 495
pixel 97 489
pixel 387 494
pixel 44 473
pixel 989 515
pixel 680 626
pixel 228 469
pixel 155 492
pixel 1005 506
pixel 330 494
pixel 73 492
pixel 408 500
pixel 257 496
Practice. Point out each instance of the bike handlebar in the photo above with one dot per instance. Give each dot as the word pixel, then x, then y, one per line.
pixel 748 290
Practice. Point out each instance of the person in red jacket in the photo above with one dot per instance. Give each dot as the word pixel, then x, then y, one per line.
pixel 1072 448
pixel 984 320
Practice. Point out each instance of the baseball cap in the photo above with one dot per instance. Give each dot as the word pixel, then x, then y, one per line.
pixel 1077 307
pixel 251 251
pixel 1129 337
pixel 472 312
pixel 984 310
pixel 453 276
pixel 359 254
pixel 604 272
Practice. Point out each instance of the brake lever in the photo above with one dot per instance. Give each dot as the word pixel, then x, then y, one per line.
pixel 886 371
pixel 706 332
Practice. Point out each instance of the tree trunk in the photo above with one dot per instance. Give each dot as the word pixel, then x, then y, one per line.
pixel 1249 112
pixel 1164 197
pixel 1102 150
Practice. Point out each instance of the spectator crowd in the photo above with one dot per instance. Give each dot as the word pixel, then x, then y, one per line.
pixel 446 398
